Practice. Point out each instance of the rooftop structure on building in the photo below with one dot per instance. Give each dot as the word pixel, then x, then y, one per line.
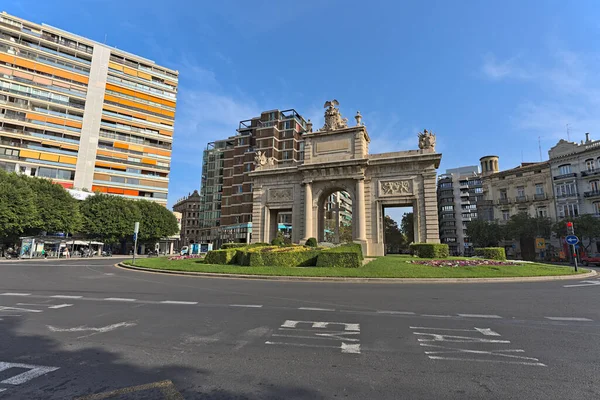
pixel 86 115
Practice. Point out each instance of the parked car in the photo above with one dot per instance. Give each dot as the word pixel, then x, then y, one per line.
pixel 184 250
pixel 591 259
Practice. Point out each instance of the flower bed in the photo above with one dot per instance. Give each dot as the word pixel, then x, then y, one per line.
pixel 461 263
pixel 174 258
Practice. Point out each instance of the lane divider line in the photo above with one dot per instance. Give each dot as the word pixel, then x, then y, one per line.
pixel 315 309
pixel 15 294
pixel 395 312
pixel 118 299
pixel 568 319
pixel 246 305
pixel 479 316
pixel 178 302
pixel 62 296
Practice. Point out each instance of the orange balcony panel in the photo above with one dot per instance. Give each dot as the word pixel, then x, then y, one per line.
pixel 66 185
pixel 130 71
pixel 100 189
pixel 49 157
pixel 148 161
pixel 144 75
pixel 115 190
pixel 135 147
pixel 68 160
pixel 120 145
pixel 115 66
pixel 29 154
pixel 102 163
pixel 140 95
pixel 69 146
pixel 131 192
pixel 166 133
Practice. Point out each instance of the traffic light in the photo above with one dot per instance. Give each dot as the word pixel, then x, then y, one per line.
pixel 570 229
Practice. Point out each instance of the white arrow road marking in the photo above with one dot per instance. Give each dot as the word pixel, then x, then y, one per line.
pixel 346 348
pixel 484 331
pixel 585 283
pixel 84 328
pixel 60 306
pixel 34 372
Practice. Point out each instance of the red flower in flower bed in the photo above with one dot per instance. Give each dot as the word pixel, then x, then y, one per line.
pixel 461 263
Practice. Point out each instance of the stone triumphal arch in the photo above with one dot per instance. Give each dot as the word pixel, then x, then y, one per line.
pixel 336 158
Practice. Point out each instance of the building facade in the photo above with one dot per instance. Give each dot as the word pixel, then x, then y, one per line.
pixel 188 208
pixel 83 114
pixel 575 169
pixel 458 191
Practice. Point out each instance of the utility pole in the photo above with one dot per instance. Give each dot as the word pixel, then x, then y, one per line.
pixel 136 229
pixel 573 242
pixel 540 147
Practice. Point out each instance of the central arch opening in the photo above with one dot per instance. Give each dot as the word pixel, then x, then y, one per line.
pixel 335 217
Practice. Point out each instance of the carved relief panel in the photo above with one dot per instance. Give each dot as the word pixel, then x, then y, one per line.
pixel 280 194
pixel 397 187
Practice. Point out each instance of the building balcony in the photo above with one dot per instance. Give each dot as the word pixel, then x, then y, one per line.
pixel 540 196
pixel 504 201
pixel 592 193
pixel 565 176
pixel 485 203
pixel 567 195
pixel 446 193
pixel 521 199
pixel 464 194
pixel 591 173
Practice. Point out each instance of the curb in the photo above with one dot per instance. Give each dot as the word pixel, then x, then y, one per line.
pixel 590 274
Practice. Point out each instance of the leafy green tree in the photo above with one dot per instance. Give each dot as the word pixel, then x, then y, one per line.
pixel 587 228
pixel 484 233
pixel 156 222
pixel 407 227
pixel 346 233
pixel 17 207
pixel 109 218
pixel 394 238
pixel 523 226
pixel 58 211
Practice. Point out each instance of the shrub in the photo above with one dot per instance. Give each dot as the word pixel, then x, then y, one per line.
pixel 338 259
pixel 292 256
pixel 311 242
pixel 491 253
pixel 224 256
pixel 353 247
pixel 430 250
pixel 278 240
pixel 233 245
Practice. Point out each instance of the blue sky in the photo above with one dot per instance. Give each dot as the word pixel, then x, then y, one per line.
pixel 487 77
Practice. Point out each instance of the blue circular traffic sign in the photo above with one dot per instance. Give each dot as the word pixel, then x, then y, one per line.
pixel 572 239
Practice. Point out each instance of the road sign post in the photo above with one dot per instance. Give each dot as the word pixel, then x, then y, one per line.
pixel 572 240
pixel 136 229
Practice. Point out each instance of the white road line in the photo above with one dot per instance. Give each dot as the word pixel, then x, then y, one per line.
pixel 567 319
pixel 10 309
pixel 484 331
pixel 309 337
pixel 84 328
pixel 585 283
pixel 32 304
pixel 15 294
pixel 246 305
pixel 60 306
pixel 479 316
pixel 535 364
pixel 62 296
pixel 436 315
pixel 2 390
pixel 396 312
pixel 34 372
pixel 117 299
pixel 346 348
pixel 178 302
pixel 315 309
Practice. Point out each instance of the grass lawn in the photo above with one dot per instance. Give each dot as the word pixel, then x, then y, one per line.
pixel 381 267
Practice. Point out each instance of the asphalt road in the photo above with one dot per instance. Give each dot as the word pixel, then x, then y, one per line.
pixel 85 329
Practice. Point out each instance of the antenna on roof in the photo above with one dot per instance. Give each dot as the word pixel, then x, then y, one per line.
pixel 540 146
pixel 105 36
pixel 568 133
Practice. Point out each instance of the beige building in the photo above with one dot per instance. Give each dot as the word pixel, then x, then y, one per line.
pixel 526 188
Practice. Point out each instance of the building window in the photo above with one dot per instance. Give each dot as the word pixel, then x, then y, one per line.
pixel 568 210
pixel 445 185
pixel 542 212
pixel 590 165
pixel 595 186
pixel 505 215
pixel 566 189
pixel 539 189
pixel 240 190
pixel 565 169
pixel 448 208
pixel 248 167
pixel 521 191
pixel 597 208
pixel 503 194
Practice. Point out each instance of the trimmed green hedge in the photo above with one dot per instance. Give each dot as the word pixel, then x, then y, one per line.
pixel 290 256
pixel 311 242
pixel 430 250
pixel 491 253
pixel 224 256
pixel 345 256
pixel 233 245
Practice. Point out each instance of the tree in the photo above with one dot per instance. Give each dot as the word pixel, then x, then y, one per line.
pixel 345 233
pixel 58 211
pixel 525 229
pixel 407 227
pixel 17 207
pixel 394 239
pixel 484 233
pixel 156 222
pixel 109 218
pixel 587 228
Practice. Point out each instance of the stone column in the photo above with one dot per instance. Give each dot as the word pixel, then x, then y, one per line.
pixel 360 211
pixel 430 210
pixel 308 211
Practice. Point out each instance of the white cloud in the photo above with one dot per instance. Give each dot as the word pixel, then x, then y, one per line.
pixel 567 92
